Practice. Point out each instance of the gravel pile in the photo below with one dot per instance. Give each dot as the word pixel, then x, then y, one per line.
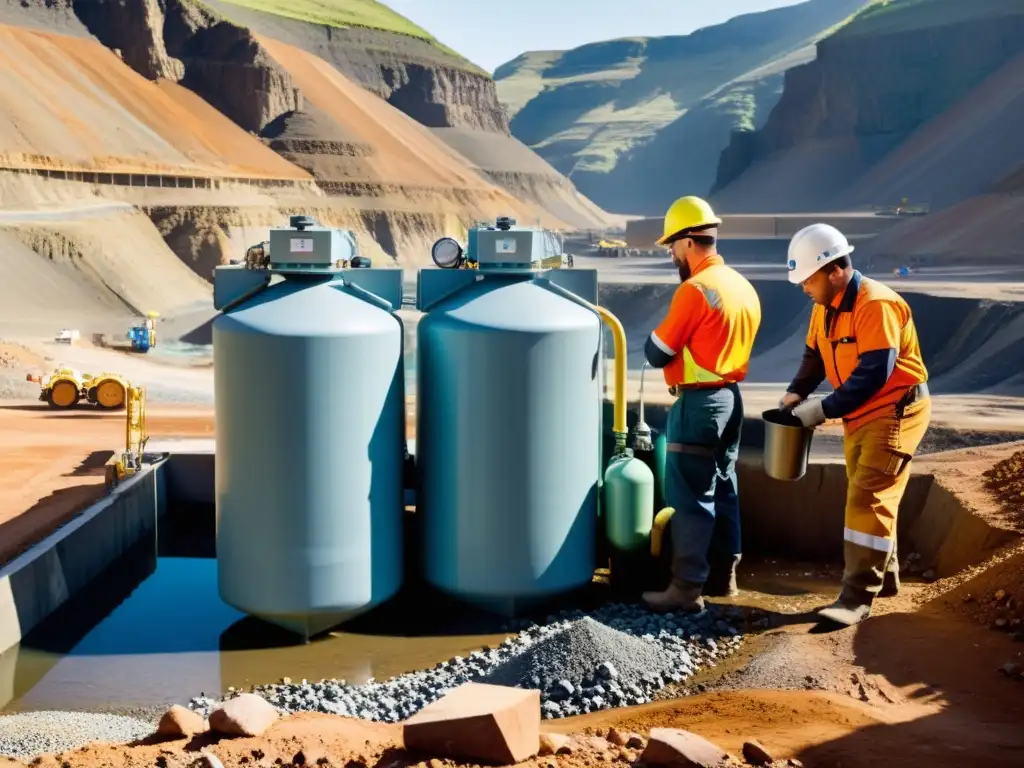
pixel 589 663
pixel 27 734
pixel 619 655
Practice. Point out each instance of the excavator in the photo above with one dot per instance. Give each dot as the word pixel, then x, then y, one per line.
pixel 130 460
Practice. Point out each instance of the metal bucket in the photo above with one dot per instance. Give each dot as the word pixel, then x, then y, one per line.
pixel 787 445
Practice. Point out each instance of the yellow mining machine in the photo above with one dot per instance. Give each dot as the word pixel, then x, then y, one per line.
pixel 130 460
pixel 66 387
pixel 903 208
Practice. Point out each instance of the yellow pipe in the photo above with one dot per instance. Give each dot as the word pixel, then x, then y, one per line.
pixel 619 336
pixel 661 521
pixel 619 398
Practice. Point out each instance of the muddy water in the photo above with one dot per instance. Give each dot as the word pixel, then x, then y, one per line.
pixel 153 630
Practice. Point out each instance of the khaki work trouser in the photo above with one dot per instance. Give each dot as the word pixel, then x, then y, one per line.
pixel 878 456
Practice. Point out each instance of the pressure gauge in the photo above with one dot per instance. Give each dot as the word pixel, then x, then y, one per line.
pixel 446 253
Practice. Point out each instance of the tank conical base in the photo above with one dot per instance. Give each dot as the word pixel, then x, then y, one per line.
pixel 516 607
pixel 308 626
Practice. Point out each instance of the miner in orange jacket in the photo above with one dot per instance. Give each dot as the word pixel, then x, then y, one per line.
pixel 704 346
pixel 863 340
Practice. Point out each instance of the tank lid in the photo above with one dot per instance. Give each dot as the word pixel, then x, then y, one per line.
pixel 305 247
pixel 503 247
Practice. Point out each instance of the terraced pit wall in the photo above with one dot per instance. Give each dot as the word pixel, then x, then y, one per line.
pixel 872 85
pixel 970 345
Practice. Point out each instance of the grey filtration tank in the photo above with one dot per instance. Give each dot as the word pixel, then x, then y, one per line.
pixel 508 420
pixel 310 427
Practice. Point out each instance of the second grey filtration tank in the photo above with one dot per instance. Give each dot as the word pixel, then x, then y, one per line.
pixel 508 420
pixel 310 426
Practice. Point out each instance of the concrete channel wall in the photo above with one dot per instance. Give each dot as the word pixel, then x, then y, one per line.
pixel 35 584
pixel 41 580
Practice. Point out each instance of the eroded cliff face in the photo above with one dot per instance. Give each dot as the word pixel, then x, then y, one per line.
pixel 233 59
pixel 180 40
pixel 443 97
pixel 877 88
pixel 431 86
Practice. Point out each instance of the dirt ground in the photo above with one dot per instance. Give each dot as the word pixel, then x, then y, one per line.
pixel 882 693
pixel 51 463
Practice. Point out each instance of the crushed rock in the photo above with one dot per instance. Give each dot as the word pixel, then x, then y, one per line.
pixel 1005 481
pixel 615 656
pixel 30 733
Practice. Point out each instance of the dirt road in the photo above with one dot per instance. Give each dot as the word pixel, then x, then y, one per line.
pixel 51 463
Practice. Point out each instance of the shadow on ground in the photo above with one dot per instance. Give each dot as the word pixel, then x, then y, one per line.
pixel 943 659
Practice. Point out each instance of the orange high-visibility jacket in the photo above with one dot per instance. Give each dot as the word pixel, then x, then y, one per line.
pixel 709 331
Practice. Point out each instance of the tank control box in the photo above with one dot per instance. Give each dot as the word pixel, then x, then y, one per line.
pixel 306 246
pixel 514 248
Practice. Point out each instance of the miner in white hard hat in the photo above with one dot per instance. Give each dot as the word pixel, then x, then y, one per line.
pixel 862 339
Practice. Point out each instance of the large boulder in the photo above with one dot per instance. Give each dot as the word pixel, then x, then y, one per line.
pixel 674 748
pixel 245 715
pixel 179 722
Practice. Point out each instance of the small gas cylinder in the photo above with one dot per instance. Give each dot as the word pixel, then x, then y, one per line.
pixel 629 504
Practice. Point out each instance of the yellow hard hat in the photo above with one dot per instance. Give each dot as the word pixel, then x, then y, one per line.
pixel 687 213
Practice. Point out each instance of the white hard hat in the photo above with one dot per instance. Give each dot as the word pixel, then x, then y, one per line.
pixel 812 248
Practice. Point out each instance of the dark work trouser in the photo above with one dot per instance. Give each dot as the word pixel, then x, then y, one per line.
pixel 703 435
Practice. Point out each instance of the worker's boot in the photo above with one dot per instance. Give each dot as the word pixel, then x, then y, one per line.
pixel 891 578
pixel 722 579
pixel 852 607
pixel 890 583
pixel 679 596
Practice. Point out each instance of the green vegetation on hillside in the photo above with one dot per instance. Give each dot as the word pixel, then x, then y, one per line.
pixel 348 13
pixel 891 16
pixel 593 111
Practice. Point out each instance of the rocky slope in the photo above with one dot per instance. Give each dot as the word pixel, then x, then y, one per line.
pixel 68 102
pixel 914 98
pixel 163 104
pixel 609 114
pixel 71 273
pixel 437 89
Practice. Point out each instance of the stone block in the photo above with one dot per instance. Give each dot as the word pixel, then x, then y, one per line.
pixel 485 723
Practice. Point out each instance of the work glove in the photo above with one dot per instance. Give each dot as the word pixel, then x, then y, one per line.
pixel 789 400
pixel 810 412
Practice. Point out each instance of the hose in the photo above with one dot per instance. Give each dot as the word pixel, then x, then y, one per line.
pixel 642 369
pixel 642 433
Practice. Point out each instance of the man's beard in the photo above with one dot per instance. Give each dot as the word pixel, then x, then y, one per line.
pixel 684 271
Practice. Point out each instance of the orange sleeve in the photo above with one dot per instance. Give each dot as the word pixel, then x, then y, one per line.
pixel 812 329
pixel 878 325
pixel 684 316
